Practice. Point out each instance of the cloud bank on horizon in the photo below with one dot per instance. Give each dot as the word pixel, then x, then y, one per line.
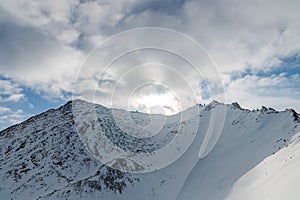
pixel 254 44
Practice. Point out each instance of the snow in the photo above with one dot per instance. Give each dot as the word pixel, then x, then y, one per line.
pixel 4 194
pixel 214 152
pixel 275 178
pixel 246 140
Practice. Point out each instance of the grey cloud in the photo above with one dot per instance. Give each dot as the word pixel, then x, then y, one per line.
pixel 237 35
pixel 34 59
pixel 168 7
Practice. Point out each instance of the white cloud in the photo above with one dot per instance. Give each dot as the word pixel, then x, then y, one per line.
pixel 9 116
pixel 50 17
pixel 35 60
pixel 43 43
pixel 278 92
pixel 237 34
pixel 10 91
pixel 4 110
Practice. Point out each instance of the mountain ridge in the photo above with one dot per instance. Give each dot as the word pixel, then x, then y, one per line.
pixel 235 104
pixel 48 149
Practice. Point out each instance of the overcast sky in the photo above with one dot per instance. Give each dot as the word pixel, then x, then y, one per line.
pixel 253 47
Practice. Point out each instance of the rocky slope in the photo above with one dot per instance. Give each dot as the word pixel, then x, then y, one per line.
pixel 59 154
pixel 44 157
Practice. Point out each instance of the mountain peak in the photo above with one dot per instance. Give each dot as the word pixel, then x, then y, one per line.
pixel 59 155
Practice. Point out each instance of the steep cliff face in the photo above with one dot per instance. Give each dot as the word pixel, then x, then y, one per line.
pixel 59 154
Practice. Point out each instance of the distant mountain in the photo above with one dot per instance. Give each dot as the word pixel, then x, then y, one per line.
pixel 60 154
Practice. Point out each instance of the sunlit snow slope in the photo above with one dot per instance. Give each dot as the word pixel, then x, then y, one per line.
pixel 53 155
pixel 248 138
pixel 276 178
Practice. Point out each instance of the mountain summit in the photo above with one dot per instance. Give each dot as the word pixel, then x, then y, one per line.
pixel 213 152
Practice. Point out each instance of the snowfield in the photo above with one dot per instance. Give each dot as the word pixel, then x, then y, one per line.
pixel 213 152
pixel 277 177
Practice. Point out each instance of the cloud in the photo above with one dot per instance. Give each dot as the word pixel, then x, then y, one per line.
pixel 52 18
pixel 237 34
pixel 10 91
pixel 43 44
pixel 4 110
pixel 9 117
pixel 10 94
pixel 253 91
pixel 35 60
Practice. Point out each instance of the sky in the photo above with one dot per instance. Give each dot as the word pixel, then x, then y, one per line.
pixel 52 52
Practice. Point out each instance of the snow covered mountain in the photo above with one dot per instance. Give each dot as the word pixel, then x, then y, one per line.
pixel 211 152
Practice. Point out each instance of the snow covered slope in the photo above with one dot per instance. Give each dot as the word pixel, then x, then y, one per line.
pixel 276 178
pixel 59 154
pixel 247 139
